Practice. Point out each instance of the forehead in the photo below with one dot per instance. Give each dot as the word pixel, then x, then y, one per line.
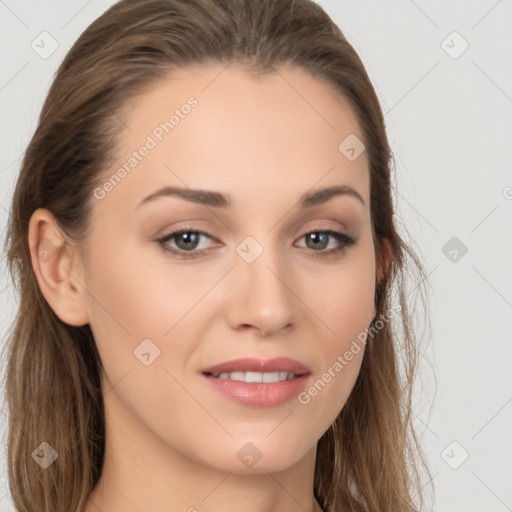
pixel 218 127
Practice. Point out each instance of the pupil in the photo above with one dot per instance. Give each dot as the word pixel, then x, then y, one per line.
pixel 316 238
pixel 189 238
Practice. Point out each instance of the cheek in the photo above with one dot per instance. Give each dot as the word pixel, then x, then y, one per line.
pixel 343 296
pixel 135 314
pixel 138 308
pixel 344 300
pixel 130 297
pixel 125 303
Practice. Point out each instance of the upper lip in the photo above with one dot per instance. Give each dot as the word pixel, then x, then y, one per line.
pixel 250 364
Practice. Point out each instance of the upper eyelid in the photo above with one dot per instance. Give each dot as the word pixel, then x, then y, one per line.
pixel 213 232
pixel 205 232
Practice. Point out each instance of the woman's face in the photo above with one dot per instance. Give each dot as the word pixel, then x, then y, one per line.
pixel 268 278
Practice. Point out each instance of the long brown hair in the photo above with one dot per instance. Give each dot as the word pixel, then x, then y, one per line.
pixel 370 458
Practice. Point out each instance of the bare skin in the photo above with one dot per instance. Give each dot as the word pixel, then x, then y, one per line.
pixel 172 440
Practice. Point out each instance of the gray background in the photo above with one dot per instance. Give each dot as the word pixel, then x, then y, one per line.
pixel 449 119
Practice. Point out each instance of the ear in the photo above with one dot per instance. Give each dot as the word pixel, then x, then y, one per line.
pixel 383 264
pixel 58 268
pixel 385 260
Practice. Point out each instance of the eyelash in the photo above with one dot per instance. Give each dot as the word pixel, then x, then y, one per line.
pixel 346 240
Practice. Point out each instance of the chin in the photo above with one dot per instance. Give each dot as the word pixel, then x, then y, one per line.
pixel 253 454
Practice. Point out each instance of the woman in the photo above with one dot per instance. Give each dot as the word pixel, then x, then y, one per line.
pixel 203 236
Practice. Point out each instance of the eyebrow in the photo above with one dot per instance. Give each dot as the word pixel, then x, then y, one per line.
pixel 218 200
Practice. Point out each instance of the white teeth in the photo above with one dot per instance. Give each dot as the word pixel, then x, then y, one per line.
pixel 253 377
pixel 265 377
pixel 272 377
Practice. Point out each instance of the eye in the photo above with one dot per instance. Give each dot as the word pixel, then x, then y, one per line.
pixel 319 241
pixel 186 240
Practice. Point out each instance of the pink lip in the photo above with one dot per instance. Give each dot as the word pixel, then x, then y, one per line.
pixel 249 364
pixel 256 394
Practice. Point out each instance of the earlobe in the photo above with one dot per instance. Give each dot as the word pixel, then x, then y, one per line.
pixel 385 260
pixel 382 267
pixel 57 268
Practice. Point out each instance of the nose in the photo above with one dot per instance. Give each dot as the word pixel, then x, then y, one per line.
pixel 262 297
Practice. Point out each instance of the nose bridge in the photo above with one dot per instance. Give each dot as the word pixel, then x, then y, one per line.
pixel 263 297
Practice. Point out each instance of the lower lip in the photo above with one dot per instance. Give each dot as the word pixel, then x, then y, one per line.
pixel 255 394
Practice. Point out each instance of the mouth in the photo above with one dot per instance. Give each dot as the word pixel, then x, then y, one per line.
pixel 259 383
